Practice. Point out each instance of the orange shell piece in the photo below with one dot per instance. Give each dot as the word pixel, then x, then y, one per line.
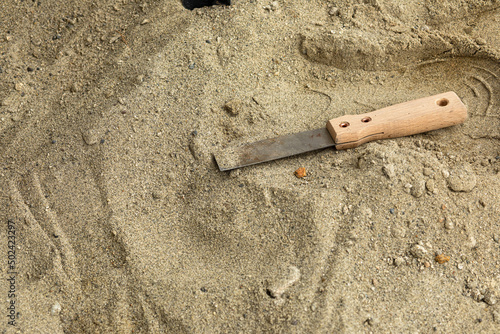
pixel 301 172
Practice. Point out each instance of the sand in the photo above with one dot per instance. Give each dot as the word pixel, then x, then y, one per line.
pixel 111 111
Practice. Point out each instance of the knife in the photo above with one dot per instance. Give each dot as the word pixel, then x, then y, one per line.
pixel 403 119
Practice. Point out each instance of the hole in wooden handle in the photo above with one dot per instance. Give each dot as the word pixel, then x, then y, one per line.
pixel 442 102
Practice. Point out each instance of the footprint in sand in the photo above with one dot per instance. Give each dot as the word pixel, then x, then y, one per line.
pixel 51 258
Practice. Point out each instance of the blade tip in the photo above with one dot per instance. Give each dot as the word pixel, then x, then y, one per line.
pixel 220 164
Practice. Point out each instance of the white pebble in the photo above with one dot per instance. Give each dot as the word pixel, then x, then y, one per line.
pixel 445 173
pixel 418 251
pixel 448 224
pixel 277 288
pixel 389 171
pixel 472 242
pixel 56 309
pixel 334 11
pixel 490 298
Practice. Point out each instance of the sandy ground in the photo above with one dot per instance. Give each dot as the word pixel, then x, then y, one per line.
pixel 110 112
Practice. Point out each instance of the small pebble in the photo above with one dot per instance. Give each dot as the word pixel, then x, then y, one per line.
pixel 145 21
pixel 300 173
pixel 496 316
pixel 56 309
pixel 158 195
pixel 114 39
pixel 191 66
pixel 277 288
pixel 361 163
pixel 448 224
pixel 74 88
pixel 418 189
pixel 441 258
pixel 418 251
pixel 389 171
pixel 399 261
pixel 234 107
pixel 372 321
pixel 398 231
pixel 334 11
pixel 490 298
pixel 430 185
pixel 90 137
pixel 462 181
pixel 445 173
pixel 480 41
pixel 476 294
pixel 472 242
pixel 427 171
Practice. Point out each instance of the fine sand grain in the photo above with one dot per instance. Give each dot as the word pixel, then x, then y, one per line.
pixel 111 111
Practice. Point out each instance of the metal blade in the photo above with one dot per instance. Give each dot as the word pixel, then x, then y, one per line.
pixel 274 148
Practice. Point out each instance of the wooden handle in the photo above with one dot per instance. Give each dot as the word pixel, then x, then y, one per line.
pixel 404 119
